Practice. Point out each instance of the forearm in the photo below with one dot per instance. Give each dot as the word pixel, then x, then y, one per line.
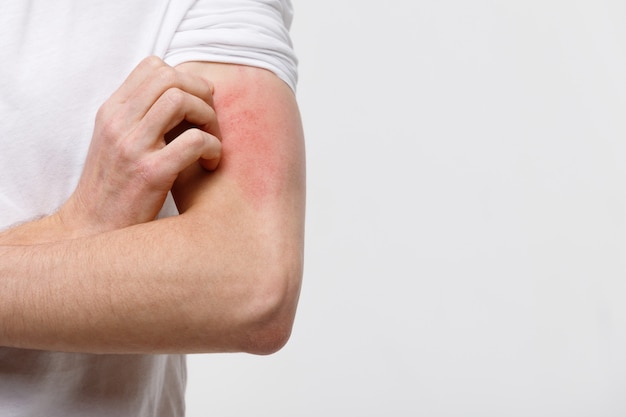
pixel 141 289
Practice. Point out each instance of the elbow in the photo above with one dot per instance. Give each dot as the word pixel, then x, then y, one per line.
pixel 272 310
pixel 269 339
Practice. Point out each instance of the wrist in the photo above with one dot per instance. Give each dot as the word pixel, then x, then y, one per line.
pixel 44 230
pixel 70 221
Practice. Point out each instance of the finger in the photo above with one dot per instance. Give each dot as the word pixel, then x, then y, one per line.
pixel 159 82
pixel 189 147
pixel 210 164
pixel 149 80
pixel 137 77
pixel 172 108
pixel 142 72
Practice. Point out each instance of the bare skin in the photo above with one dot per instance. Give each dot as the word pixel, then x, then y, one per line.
pixel 101 275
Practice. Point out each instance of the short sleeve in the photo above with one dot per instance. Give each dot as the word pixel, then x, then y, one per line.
pixel 245 32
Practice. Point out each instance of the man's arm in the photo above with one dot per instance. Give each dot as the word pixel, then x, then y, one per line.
pixel 224 275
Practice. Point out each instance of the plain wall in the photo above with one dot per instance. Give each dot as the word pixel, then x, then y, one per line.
pixel 466 249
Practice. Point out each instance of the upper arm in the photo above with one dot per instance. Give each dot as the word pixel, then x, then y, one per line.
pixel 253 204
pixel 262 139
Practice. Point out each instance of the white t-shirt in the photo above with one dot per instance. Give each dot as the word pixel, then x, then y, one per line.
pixel 62 60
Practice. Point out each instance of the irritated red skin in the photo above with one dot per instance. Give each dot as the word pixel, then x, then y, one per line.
pixel 252 154
pixel 256 160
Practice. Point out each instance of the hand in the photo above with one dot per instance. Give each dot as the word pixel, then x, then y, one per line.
pixel 130 167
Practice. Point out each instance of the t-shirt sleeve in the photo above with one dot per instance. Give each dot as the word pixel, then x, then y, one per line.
pixel 246 32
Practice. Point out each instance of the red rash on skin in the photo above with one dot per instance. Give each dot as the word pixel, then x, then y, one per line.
pixel 249 152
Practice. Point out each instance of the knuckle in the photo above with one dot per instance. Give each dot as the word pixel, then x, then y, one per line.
pixel 211 123
pixel 150 170
pixel 125 151
pixel 167 76
pixel 146 170
pixel 111 129
pixel 195 138
pixel 207 89
pixel 211 115
pixel 174 97
pixel 154 174
pixel 102 114
pixel 152 62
